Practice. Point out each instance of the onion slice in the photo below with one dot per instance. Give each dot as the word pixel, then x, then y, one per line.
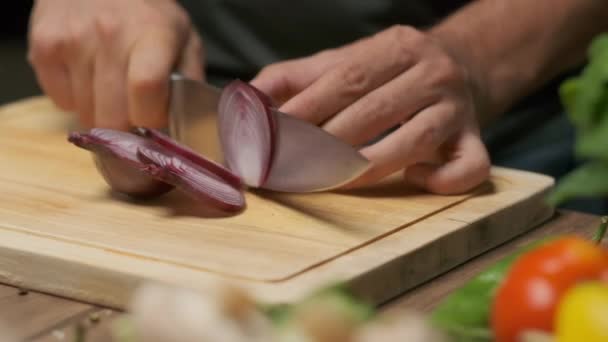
pixel 129 160
pixel 309 159
pixel 191 155
pixel 247 132
pixel 197 182
pixel 116 159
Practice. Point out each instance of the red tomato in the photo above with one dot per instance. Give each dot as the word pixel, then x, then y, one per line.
pixel 533 286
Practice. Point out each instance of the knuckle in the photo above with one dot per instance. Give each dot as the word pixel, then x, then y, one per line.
pixel 146 84
pixel 484 165
pixel 45 45
pixel 107 25
pixel 182 18
pixel 400 32
pixel 197 45
pixel 355 79
pixel 446 71
pixel 428 136
pixel 77 34
pixel 271 70
pixel 379 109
pixel 450 69
pixel 427 142
pixel 453 110
pixel 403 43
pixel 278 71
pixel 404 33
pixel 404 54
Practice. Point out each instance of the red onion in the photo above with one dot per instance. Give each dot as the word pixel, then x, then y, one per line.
pixel 247 132
pixel 197 182
pixel 132 163
pixel 279 152
pixel 150 163
pixel 191 155
pixel 116 159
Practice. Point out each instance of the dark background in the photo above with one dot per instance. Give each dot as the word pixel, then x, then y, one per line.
pixel 17 79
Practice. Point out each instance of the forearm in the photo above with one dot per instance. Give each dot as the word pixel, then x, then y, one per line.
pixel 514 46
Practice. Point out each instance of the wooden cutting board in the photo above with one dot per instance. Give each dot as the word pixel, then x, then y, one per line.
pixel 62 231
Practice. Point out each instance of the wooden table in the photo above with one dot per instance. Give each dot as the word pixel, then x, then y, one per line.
pixel 40 317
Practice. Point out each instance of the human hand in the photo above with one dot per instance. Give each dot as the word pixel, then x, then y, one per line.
pixel 110 60
pixel 399 76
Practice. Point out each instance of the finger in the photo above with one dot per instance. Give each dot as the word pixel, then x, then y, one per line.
pixel 82 64
pixel 54 79
pixel 151 62
pixel 80 57
pixel 82 92
pixel 45 54
pixel 416 140
pixel 110 70
pixel 281 81
pixel 384 107
pixel 192 60
pixel 47 45
pixel 468 166
pixel 359 74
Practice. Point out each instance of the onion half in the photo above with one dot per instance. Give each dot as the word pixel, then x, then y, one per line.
pixel 275 151
pixel 247 132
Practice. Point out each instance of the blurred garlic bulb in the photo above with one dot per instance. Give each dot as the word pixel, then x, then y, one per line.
pixel 222 314
pixel 404 325
pixel 318 322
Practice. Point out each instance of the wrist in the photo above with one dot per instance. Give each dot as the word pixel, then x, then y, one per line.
pixel 457 44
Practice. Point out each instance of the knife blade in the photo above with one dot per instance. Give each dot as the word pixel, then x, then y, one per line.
pixel 193 121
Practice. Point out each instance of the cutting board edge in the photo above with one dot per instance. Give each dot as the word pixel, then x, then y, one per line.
pixel 413 269
pixel 397 265
pixel 40 277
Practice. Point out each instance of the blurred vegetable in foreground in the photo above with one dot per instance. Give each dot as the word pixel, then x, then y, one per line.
pixel 160 313
pixel 223 313
pixel 585 98
pixel 465 313
pixel 583 314
pixel 528 297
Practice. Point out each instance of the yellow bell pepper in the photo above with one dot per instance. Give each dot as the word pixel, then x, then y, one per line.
pixel 582 314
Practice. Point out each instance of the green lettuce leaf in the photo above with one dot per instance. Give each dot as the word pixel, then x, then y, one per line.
pixel 585 99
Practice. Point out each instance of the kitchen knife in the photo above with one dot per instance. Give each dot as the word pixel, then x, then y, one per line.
pixel 193 122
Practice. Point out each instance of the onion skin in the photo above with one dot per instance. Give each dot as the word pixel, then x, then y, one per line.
pixel 191 155
pixel 122 173
pixel 199 183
